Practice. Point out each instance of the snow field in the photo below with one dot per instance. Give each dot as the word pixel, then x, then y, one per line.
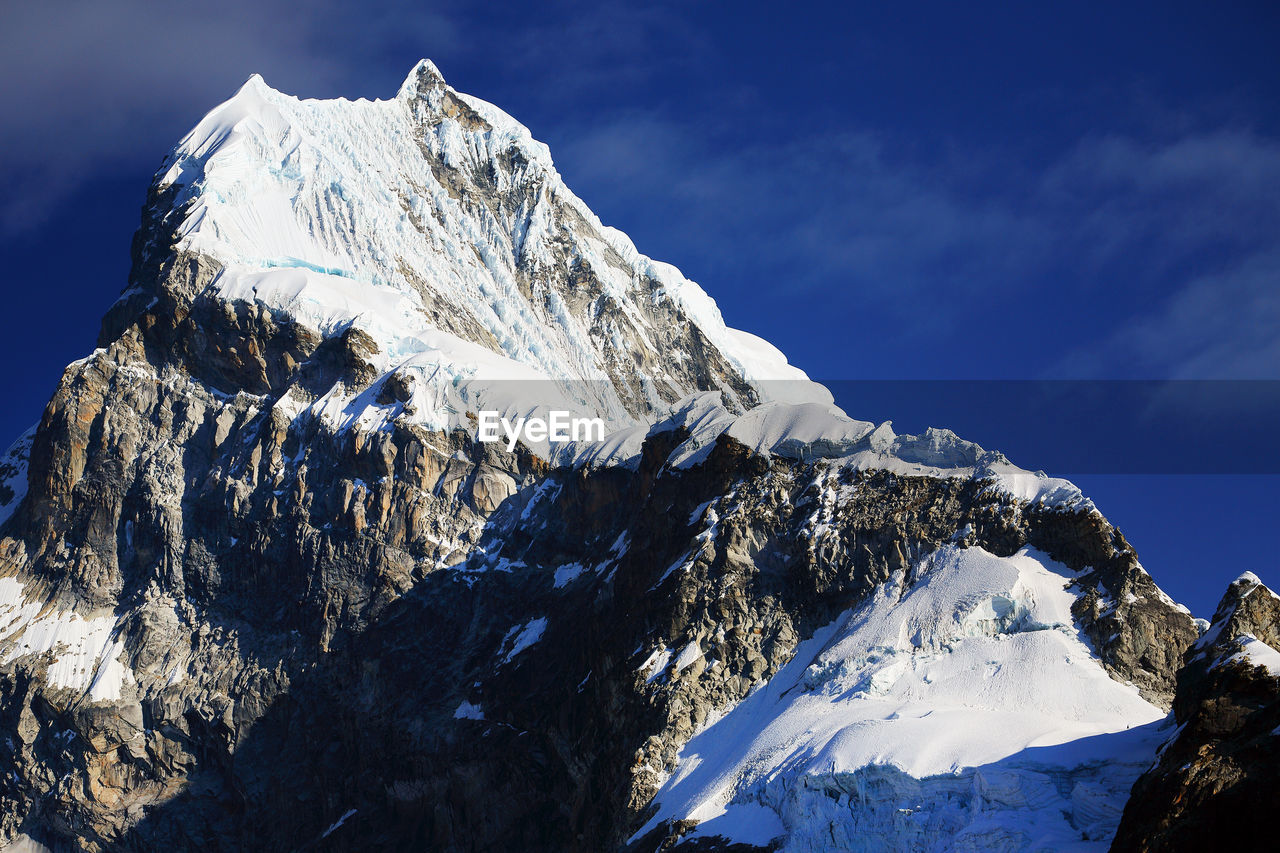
pixel 959 708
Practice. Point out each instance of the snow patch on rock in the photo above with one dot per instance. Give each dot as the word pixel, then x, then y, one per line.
pixel 468 711
pixel 1254 652
pixel 522 637
pixel 13 474
pixel 85 655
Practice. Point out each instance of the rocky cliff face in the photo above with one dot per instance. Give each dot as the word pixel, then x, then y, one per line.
pixel 261 589
pixel 1220 769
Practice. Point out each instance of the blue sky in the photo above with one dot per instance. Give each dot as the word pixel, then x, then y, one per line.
pixel 886 191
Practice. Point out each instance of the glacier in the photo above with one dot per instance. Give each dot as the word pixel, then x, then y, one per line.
pixel 959 708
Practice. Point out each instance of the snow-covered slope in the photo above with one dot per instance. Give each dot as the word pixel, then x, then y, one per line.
pixel 958 709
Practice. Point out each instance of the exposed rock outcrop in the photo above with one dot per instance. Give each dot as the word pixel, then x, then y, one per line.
pixel 1220 770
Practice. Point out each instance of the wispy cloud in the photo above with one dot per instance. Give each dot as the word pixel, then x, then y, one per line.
pixel 1187 228
pixel 823 205
pixel 1225 324
pixel 1195 223
pixel 573 48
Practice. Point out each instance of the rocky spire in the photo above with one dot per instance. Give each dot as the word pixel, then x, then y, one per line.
pixel 1224 757
pixel 424 77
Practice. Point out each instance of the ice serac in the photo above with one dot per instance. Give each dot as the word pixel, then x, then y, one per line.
pixel 262 588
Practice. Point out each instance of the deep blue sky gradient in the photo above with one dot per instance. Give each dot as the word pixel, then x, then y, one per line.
pixel 886 191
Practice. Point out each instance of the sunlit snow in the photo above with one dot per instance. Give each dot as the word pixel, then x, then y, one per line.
pixel 959 700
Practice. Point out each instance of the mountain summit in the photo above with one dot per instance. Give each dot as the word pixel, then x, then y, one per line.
pixel 263 585
pixel 436 225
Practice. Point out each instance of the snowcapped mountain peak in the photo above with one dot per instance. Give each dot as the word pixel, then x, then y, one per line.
pixel 435 224
pixel 256 83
